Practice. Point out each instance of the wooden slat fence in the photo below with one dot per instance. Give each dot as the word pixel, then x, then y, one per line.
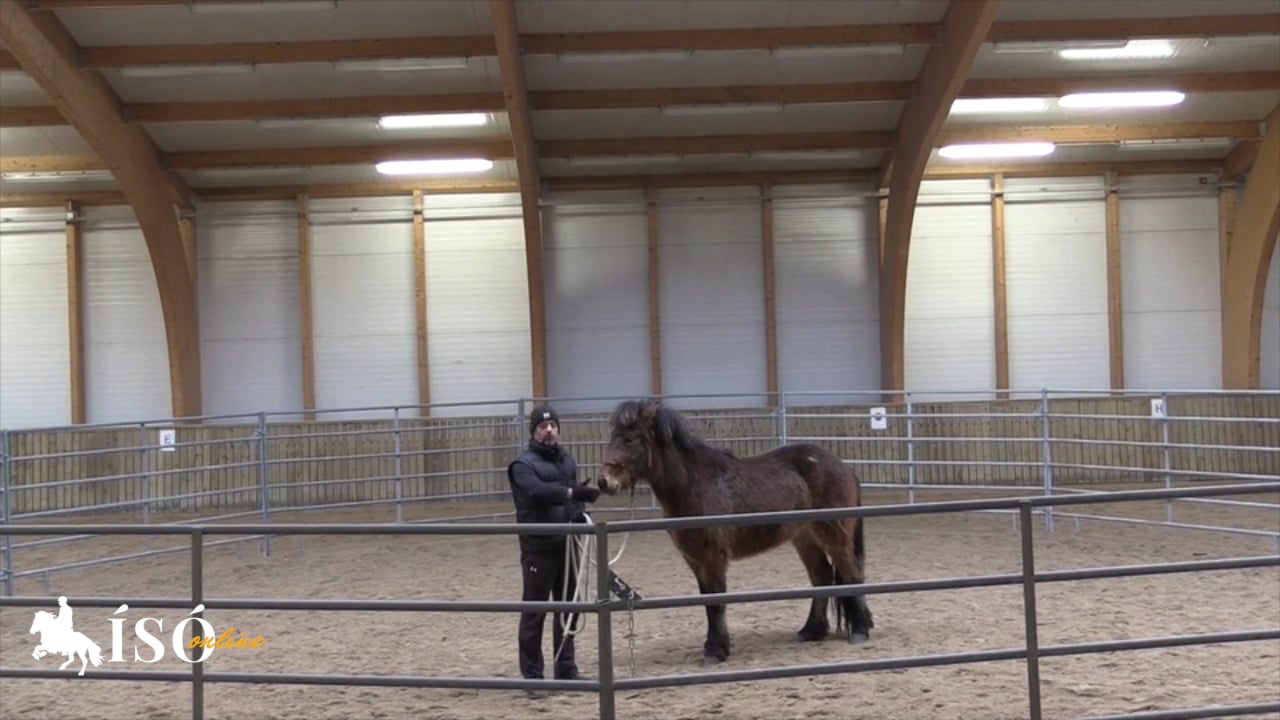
pixel 224 468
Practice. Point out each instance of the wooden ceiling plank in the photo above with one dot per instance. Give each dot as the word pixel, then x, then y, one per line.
pixel 1101 133
pixel 49 55
pixel 965 26
pixel 506 34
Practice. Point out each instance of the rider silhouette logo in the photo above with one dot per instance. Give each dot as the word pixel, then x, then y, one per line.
pixel 59 637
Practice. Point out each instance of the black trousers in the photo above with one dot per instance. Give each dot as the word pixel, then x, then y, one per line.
pixel 544 575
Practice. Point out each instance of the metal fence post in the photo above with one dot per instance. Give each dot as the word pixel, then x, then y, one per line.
pixel 145 462
pixel 1029 610
pixel 604 631
pixel 911 450
pixel 6 511
pixel 395 420
pixel 1048 457
pixel 197 598
pixel 263 488
pixel 780 418
pixel 1165 452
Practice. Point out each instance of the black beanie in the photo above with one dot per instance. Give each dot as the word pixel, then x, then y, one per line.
pixel 540 414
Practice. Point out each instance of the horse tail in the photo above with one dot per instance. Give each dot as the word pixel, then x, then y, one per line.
pixel 95 654
pixel 859 551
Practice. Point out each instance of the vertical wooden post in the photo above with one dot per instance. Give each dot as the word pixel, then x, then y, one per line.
pixel 999 286
pixel 770 293
pixel 191 249
pixel 420 302
pixel 1227 199
pixel 306 310
pixel 655 318
pixel 1115 297
pixel 75 315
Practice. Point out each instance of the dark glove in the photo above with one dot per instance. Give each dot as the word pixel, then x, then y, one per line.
pixel 586 493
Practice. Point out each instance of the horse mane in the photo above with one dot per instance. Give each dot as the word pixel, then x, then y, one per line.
pixel 671 430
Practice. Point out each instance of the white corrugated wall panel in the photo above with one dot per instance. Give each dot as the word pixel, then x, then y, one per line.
pixel 250 327
pixel 363 319
pixel 126 350
pixel 950 309
pixel 711 281
pixel 1056 283
pixel 1270 367
pixel 35 357
pixel 595 255
pixel 1170 290
pixel 477 302
pixel 826 265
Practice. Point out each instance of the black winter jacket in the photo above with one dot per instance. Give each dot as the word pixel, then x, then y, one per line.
pixel 540 482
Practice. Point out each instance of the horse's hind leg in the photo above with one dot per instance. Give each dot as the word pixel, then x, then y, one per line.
pixel 820 573
pixel 848 571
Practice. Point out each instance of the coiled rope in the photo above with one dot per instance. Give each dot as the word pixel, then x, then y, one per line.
pixel 580 556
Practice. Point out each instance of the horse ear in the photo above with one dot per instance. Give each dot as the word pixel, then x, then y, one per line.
pixel 649 410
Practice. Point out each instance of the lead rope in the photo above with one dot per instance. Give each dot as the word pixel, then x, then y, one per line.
pixel 580 553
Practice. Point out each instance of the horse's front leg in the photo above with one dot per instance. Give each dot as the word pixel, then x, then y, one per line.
pixel 39 652
pixel 711 579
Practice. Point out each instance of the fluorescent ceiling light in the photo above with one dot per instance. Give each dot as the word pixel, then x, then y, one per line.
pixel 596 57
pixel 1132 50
pixel 1175 144
pixel 814 51
pixel 401 64
pixel 38 175
pixel 995 150
pixel 434 120
pixel 720 109
pixel 965 106
pixel 1158 98
pixel 182 70
pixel 433 167
pixel 1022 47
pixel 222 8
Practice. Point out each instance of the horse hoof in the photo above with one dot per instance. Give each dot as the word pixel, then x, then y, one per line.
pixel 812 634
pixel 857 638
pixel 711 661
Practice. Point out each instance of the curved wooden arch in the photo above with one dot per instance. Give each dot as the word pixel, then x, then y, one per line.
pixel 48 53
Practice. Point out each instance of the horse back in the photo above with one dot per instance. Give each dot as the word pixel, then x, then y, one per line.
pixel 831 483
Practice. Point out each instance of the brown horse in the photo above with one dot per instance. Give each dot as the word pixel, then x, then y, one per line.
pixel 653 443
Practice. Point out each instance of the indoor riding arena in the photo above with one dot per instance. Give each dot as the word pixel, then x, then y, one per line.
pixel 876 359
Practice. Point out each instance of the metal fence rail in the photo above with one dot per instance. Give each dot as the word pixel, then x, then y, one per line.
pixel 387 459
pixel 606 686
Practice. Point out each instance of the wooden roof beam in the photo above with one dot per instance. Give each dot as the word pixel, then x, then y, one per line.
pixel 670 145
pixel 506 36
pixel 49 55
pixel 1251 244
pixel 646 40
pixel 965 26
pixel 620 182
pixel 631 98
pixel 1240 160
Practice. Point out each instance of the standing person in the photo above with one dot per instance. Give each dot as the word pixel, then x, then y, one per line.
pixel 545 488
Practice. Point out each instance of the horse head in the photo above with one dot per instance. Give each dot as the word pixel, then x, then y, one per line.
pixel 642 433
pixel 41 621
